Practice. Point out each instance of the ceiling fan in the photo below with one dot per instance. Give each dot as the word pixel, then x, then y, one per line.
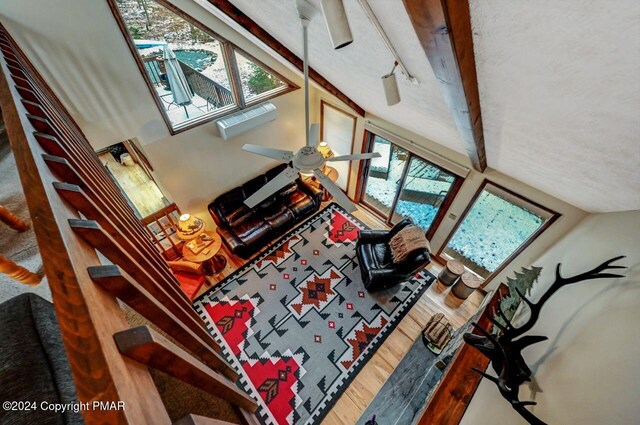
pixel 308 161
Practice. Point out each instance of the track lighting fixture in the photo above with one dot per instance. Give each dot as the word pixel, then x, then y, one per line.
pixel 337 23
pixel 390 85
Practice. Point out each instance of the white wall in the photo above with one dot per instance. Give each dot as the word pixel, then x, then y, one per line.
pixel 589 370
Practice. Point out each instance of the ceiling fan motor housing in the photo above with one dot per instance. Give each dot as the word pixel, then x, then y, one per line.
pixel 308 159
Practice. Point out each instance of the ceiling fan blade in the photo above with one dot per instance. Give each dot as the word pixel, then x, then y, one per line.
pixel 289 175
pixel 355 157
pixel 314 135
pixel 279 154
pixel 335 191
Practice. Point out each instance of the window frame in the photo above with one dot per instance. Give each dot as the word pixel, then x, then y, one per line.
pixel 554 215
pixel 363 174
pixel 228 55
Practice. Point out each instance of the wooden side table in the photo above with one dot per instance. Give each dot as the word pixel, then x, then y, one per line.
pixel 212 262
pixel 451 272
pixel 466 285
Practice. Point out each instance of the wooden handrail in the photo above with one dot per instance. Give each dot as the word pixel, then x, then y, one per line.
pixel 77 209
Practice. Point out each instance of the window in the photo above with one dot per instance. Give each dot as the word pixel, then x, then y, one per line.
pixel 401 185
pixel 194 75
pixel 255 79
pixel 494 229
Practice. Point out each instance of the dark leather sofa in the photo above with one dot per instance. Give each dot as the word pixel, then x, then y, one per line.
pixel 246 230
pixel 376 264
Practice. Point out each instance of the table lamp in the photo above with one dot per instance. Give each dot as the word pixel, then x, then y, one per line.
pixel 325 150
pixel 189 227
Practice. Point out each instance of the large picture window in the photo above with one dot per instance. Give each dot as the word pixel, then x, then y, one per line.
pixel 193 74
pixel 496 227
pixel 400 184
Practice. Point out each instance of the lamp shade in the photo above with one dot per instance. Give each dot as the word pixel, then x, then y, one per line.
pixel 189 227
pixel 325 150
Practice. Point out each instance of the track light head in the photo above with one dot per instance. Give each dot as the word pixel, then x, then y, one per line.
pixel 337 23
pixel 391 92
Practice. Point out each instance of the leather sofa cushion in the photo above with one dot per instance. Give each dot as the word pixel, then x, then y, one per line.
pixel 299 203
pixel 275 171
pixel 252 186
pixel 232 207
pixel 252 230
pixel 278 216
pixel 288 190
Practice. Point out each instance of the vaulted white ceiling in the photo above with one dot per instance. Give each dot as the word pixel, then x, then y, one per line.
pixel 559 86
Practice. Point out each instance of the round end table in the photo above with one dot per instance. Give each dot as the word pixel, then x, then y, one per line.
pixel 212 262
pixel 466 285
pixel 451 272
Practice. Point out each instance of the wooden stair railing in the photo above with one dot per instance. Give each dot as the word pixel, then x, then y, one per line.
pixel 162 225
pixel 77 210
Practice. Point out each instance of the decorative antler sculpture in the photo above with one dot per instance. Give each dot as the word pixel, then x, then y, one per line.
pixel 505 349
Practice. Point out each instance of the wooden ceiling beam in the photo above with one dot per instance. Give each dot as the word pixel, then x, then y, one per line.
pixel 444 30
pixel 251 26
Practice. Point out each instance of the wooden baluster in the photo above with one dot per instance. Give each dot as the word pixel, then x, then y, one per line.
pixel 81 202
pixel 18 273
pixel 67 170
pixel 119 284
pixel 88 315
pixel 145 345
pixel 91 232
pixel 13 221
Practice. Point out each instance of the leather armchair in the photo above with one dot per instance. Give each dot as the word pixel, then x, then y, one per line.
pixel 376 263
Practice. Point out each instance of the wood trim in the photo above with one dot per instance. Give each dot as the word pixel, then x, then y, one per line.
pixel 256 30
pixel 207 117
pixel 444 208
pixel 148 347
pixel 89 314
pixel 363 166
pixel 459 383
pixel 324 103
pixel 554 216
pixel 444 30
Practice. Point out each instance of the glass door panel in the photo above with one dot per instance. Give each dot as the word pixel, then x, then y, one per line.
pixel 384 175
pixel 495 227
pixel 423 192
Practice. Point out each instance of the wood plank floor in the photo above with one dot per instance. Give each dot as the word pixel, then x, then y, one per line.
pixel 437 299
pixel 141 190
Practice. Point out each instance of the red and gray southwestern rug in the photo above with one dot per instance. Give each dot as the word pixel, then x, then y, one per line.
pixel 297 323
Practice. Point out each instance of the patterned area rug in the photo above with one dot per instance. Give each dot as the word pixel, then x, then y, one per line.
pixel 297 322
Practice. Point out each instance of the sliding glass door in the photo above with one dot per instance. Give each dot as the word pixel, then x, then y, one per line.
pixel 401 185
pixel 496 227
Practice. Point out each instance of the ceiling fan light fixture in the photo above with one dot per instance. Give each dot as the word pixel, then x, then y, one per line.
pixel 337 23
